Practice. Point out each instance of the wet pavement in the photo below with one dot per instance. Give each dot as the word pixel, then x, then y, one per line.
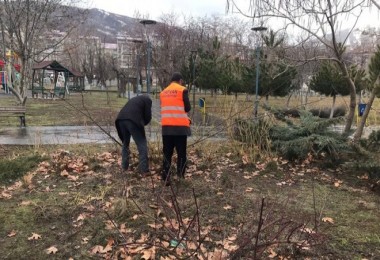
pixel 41 135
pixel 37 135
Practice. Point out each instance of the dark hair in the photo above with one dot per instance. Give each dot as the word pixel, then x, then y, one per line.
pixel 177 77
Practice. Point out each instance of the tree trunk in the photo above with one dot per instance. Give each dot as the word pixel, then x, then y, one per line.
pixel 288 101
pixel 306 98
pixel 332 107
pixel 351 112
pixel 359 130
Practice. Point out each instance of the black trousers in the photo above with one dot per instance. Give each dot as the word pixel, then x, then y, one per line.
pixel 169 142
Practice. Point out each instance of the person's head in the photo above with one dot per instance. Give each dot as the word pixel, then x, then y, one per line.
pixel 177 77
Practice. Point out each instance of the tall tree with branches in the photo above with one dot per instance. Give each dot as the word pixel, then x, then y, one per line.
pixel 33 30
pixel 316 21
pixel 374 83
pixel 329 81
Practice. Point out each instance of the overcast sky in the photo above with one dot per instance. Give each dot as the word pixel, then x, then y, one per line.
pixel 157 7
pixel 153 9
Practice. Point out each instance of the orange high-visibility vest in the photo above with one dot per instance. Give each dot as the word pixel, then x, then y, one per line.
pixel 172 106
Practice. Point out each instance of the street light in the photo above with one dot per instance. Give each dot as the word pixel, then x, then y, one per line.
pixel 193 56
pixel 137 41
pixel 256 107
pixel 145 23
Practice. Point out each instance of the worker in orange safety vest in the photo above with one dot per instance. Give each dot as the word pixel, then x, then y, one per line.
pixel 175 105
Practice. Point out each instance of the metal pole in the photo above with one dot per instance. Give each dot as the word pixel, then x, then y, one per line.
pixel 256 107
pixel 138 73
pixel 148 22
pixel 129 92
pixel 193 86
pixel 148 70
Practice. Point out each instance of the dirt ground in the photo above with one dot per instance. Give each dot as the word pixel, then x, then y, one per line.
pixel 78 204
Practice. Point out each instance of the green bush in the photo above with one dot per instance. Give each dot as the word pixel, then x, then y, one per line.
pixel 11 170
pixel 373 141
pixel 309 135
pixel 363 164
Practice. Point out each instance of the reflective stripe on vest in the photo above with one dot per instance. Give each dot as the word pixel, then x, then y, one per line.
pixel 172 106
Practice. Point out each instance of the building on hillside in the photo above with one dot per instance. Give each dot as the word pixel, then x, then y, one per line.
pixel 110 49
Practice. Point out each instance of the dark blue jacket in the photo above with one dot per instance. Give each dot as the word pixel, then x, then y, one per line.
pixel 138 110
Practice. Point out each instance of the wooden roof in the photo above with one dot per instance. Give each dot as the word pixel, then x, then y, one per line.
pixel 54 65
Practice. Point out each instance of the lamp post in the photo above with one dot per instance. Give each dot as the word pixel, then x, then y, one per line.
pixel 256 105
pixel 145 23
pixel 137 41
pixel 193 56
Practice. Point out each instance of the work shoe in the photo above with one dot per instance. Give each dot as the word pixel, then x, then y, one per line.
pixel 166 180
pixel 145 174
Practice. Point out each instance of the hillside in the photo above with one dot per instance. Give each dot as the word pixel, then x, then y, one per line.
pixel 107 25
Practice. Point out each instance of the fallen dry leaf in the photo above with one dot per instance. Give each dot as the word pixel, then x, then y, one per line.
pixel 26 203
pixel 5 195
pixel 97 249
pixel 73 178
pixel 108 248
pixel 81 217
pixel 272 253
pixel 12 233
pixel 153 206
pixel 85 240
pixel 34 236
pixel 227 207
pixel 143 238
pixel 363 177
pixel 232 238
pixel 328 220
pixel 51 250
pixel 245 159
pixel 155 226
pixel 64 173
pixel 147 254
pixel 248 189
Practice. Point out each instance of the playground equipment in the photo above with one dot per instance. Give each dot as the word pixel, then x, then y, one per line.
pixel 6 71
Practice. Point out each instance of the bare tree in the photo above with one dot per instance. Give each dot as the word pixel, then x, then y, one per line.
pixel 33 30
pixel 374 78
pixel 316 21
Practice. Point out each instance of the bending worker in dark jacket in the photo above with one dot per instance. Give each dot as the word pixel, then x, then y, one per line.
pixel 175 125
pixel 130 122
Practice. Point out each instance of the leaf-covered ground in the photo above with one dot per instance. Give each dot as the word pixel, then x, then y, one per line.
pixel 78 204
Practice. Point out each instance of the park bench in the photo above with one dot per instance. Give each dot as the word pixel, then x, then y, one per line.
pixel 59 92
pixel 14 111
pixel 74 88
pixel 39 90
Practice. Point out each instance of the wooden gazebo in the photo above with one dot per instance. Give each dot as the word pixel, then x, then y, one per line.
pixel 52 79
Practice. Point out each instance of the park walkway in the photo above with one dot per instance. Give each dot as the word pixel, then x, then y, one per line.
pixel 42 135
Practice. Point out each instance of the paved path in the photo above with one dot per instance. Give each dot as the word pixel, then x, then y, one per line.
pixel 37 135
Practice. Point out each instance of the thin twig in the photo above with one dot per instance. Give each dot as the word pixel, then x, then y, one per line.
pixel 259 228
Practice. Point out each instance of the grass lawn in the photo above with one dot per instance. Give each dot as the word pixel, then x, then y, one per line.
pixel 77 109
